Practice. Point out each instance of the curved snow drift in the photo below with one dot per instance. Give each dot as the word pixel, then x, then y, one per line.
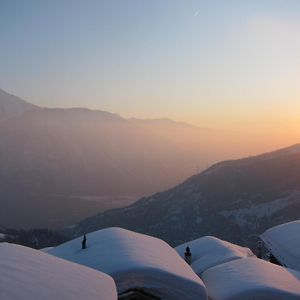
pixel 28 274
pixel 209 251
pixel 284 243
pixel 136 261
pixel 251 278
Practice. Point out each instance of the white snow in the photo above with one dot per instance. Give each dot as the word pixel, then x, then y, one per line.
pixel 28 274
pixel 243 216
pixel 46 249
pixel 136 261
pixel 209 251
pixel 284 243
pixel 251 279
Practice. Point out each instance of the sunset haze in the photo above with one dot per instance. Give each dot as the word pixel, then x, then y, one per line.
pixel 218 64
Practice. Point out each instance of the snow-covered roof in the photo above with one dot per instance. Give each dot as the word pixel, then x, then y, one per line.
pixel 28 274
pixel 284 243
pixel 209 251
pixel 251 278
pixel 46 249
pixel 136 261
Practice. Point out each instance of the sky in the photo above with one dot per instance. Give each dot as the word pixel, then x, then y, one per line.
pixel 219 64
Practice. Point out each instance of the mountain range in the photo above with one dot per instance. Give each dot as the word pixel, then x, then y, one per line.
pixel 62 165
pixel 234 200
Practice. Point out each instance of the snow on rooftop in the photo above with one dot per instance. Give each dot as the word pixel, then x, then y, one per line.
pixel 28 274
pixel 136 261
pixel 284 243
pixel 46 249
pixel 251 278
pixel 209 251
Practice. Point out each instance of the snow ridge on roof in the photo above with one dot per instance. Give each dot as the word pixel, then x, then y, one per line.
pixel 284 242
pixel 136 261
pixel 28 274
pixel 251 278
pixel 209 251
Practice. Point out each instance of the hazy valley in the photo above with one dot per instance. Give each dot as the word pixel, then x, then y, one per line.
pixel 233 200
pixel 59 166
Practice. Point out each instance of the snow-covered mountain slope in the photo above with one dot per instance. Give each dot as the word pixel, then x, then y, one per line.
pixel 251 278
pixel 28 274
pixel 60 166
pixel 56 163
pixel 136 261
pixel 284 242
pixel 209 251
pixel 12 106
pixel 233 200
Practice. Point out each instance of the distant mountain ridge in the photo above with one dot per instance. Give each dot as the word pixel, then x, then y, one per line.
pixel 60 165
pixel 12 106
pixel 235 200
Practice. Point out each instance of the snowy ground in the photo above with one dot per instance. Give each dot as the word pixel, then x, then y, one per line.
pixel 284 242
pixel 46 249
pixel 136 261
pixel 242 216
pixel 28 274
pixel 210 251
pixel 251 279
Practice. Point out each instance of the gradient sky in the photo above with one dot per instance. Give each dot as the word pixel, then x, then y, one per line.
pixel 222 64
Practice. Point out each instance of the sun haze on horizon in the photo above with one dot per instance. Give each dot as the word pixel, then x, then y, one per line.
pixel 232 65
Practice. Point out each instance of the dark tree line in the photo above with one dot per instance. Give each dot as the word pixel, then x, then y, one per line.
pixel 34 238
